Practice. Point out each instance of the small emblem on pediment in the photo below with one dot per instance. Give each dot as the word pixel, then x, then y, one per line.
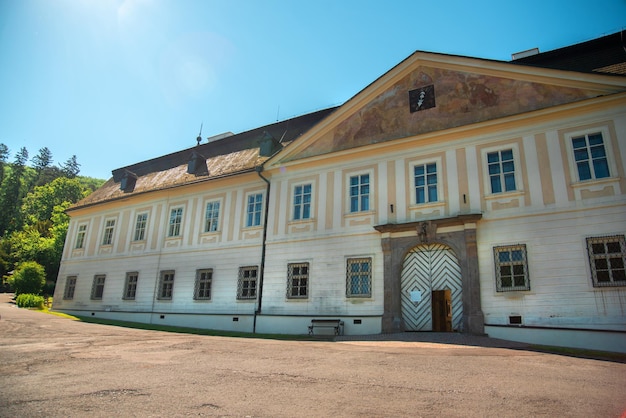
pixel 422 98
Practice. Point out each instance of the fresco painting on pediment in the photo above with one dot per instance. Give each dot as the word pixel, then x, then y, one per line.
pixel 461 99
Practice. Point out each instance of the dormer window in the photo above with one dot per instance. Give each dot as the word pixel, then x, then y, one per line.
pixel 269 145
pixel 197 165
pixel 127 184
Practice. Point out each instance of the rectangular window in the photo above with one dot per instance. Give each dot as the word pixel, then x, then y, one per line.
pixel 254 209
pixel 211 216
pixel 425 176
pixel 607 257
pixel 360 193
pixel 590 156
pixel 176 220
pixel 140 227
pixel 109 227
pixel 246 285
pixel 130 286
pixel 297 280
pixel 80 237
pixel 302 202
pixel 202 290
pixel 97 289
pixel 70 286
pixel 511 268
pixel 166 285
pixel 501 171
pixel 359 277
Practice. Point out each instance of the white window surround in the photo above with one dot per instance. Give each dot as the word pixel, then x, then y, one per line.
pixel 517 169
pixel 411 176
pixel 608 149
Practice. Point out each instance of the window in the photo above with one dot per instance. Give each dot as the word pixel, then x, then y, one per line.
pixel 501 171
pixel 360 193
pixel 425 176
pixel 359 277
pixel 130 287
pixel 80 237
pixel 253 211
pixel 211 216
pixel 297 280
pixel 97 289
pixel 140 227
pixel 70 286
pixel 302 202
pixel 607 257
pixel 511 268
pixel 109 227
pixel 176 219
pixel 202 290
pixel 246 285
pixel 166 285
pixel 590 156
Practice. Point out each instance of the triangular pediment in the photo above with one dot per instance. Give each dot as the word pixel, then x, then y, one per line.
pixel 432 92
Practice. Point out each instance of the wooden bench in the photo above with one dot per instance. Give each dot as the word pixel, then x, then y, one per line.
pixel 336 324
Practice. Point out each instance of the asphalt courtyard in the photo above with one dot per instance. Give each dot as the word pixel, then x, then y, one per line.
pixel 57 367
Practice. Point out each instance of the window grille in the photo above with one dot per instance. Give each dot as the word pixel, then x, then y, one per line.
pixel 511 268
pixel 97 290
pixel 130 287
pixel 359 277
pixel 70 287
pixel 202 289
pixel 607 258
pixel 166 285
pixel 297 280
pixel 246 285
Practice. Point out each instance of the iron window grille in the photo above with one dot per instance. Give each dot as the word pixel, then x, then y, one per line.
pixel 130 286
pixel 359 277
pixel 107 238
pixel 302 202
pixel 607 258
pixel 166 285
pixel 247 283
pixel 140 227
pixel 511 265
pixel 80 237
pixel 176 220
pixel 211 216
pixel 425 176
pixel 590 156
pixel 360 193
pixel 70 287
pixel 97 290
pixel 297 280
pixel 501 169
pixel 202 290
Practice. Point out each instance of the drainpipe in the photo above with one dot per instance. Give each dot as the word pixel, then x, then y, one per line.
pixel 257 311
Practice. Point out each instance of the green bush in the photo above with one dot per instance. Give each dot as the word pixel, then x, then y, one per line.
pixel 28 300
pixel 29 277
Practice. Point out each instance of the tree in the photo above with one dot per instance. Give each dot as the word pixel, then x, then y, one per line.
pixel 29 277
pixel 4 154
pixel 39 204
pixel 42 160
pixel 71 168
pixel 13 192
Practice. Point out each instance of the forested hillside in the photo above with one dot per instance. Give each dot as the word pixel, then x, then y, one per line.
pixel 34 194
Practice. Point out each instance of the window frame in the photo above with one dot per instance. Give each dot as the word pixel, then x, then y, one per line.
pixel 292 275
pixel 70 287
pixel 175 222
pixel 200 292
pixel 130 285
pixel 517 168
pixel 211 223
pixel 498 264
pixel 607 141
pixel 254 217
pixel 502 175
pixel 609 257
pixel 414 185
pixel 359 196
pixel 109 231
pixel 166 285
pixel 141 227
pixel 97 287
pixel 351 261
pixel 299 209
pixel 243 289
pixel 81 236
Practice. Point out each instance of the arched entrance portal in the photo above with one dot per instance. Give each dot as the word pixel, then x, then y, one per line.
pixel 431 289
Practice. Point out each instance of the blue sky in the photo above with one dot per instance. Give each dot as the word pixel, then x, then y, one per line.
pixel 116 82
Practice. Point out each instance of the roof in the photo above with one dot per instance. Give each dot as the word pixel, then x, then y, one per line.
pixel 606 55
pixel 236 154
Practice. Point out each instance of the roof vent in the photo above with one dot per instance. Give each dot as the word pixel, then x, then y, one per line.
pixel 269 145
pixel 524 54
pixel 128 181
pixel 197 165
